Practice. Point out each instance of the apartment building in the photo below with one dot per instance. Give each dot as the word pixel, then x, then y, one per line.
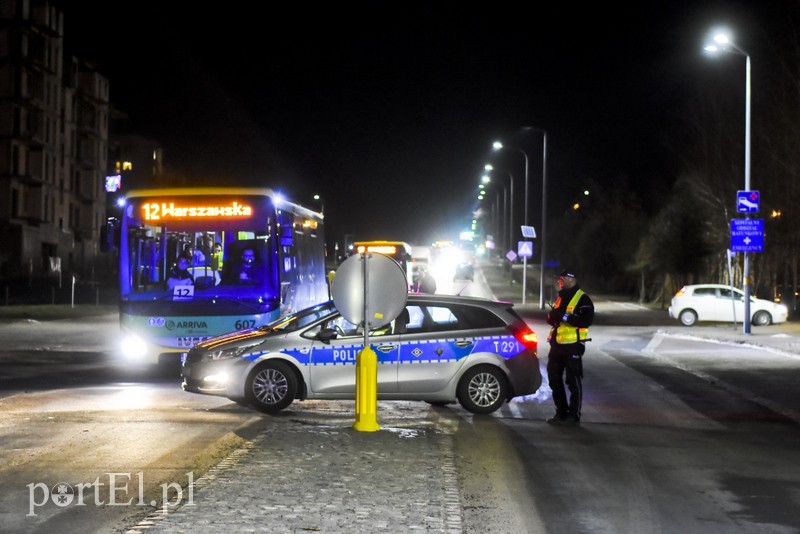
pixel 54 139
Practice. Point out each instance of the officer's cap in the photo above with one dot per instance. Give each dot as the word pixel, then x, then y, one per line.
pixel 566 272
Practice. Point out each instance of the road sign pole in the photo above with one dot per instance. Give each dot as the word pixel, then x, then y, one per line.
pixel 366 419
pixel 746 318
pixel 524 277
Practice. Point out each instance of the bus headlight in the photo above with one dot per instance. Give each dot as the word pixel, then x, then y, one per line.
pixel 133 347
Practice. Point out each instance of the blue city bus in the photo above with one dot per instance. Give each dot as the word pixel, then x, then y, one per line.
pixel 251 257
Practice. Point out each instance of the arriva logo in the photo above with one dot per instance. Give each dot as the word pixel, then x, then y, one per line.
pixel 171 325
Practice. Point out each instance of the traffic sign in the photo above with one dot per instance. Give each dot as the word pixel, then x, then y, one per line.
pixel 511 256
pixel 747 201
pixel 747 235
pixel 370 289
pixel 525 249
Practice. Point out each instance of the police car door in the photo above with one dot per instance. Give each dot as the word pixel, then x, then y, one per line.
pixel 332 364
pixel 432 350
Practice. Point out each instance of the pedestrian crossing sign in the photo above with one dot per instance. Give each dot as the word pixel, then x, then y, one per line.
pixel 525 249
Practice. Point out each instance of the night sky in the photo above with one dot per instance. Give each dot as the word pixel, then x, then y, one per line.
pixel 388 109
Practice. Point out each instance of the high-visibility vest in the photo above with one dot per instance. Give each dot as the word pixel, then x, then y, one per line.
pixel 566 333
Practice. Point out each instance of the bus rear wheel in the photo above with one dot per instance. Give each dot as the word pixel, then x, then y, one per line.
pixel 271 387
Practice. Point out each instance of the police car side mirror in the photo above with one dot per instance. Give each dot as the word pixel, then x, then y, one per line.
pixel 326 335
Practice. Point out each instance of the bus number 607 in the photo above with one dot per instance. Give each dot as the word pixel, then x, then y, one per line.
pixel 242 324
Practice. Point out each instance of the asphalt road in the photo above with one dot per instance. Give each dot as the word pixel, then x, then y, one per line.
pixel 684 430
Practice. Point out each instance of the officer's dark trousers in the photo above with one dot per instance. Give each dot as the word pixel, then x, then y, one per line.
pixel 566 368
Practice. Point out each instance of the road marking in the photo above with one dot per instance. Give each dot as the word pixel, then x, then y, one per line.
pixel 794 415
pixel 513 407
pixel 628 305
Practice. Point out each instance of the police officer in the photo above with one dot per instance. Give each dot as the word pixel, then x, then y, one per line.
pixel 570 318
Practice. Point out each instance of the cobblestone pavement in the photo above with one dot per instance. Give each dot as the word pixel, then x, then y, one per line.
pixel 309 471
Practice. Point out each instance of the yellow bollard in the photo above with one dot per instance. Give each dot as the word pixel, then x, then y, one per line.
pixel 331 274
pixel 366 391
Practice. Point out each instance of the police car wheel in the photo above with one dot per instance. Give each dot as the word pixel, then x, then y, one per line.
pixel 271 387
pixel 482 389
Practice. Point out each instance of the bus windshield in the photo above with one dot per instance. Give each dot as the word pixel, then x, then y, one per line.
pixel 201 262
pixel 191 245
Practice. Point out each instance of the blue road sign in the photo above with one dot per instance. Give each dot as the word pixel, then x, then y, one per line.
pixel 747 235
pixel 525 249
pixel 747 201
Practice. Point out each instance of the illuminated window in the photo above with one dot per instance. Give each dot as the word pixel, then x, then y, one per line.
pixel 127 166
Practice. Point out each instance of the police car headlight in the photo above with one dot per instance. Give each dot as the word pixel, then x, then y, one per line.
pixel 227 354
pixel 217 380
pixel 133 347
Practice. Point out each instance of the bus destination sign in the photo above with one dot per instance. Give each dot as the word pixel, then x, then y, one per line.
pixel 164 211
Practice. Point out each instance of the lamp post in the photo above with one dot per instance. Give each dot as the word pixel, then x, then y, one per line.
pixel 724 44
pixel 489 168
pixel 321 203
pixel 494 215
pixel 543 228
pixel 497 145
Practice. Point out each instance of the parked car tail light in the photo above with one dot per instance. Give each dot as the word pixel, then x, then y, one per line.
pixel 681 292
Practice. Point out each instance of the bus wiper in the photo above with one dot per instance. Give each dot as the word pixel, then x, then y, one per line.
pixel 207 299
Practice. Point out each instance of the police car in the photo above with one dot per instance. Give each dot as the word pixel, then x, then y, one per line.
pixel 439 349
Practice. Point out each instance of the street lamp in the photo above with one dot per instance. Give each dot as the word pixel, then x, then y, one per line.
pixel 494 214
pixel 543 230
pixel 497 145
pixel 722 43
pixel 489 168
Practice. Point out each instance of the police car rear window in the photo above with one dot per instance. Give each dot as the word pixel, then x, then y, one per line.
pixel 441 318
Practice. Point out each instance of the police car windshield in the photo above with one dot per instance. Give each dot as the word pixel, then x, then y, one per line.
pixel 301 319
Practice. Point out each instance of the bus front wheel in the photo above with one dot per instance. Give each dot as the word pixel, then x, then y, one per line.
pixel 271 387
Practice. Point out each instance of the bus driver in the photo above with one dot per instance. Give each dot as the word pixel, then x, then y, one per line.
pixel 179 275
pixel 250 270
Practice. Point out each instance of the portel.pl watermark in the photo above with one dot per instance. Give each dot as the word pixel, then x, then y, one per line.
pixel 117 492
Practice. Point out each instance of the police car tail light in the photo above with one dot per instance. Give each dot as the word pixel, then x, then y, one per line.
pixel 527 337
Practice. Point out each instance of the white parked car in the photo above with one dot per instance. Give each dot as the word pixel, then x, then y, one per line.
pixel 715 302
